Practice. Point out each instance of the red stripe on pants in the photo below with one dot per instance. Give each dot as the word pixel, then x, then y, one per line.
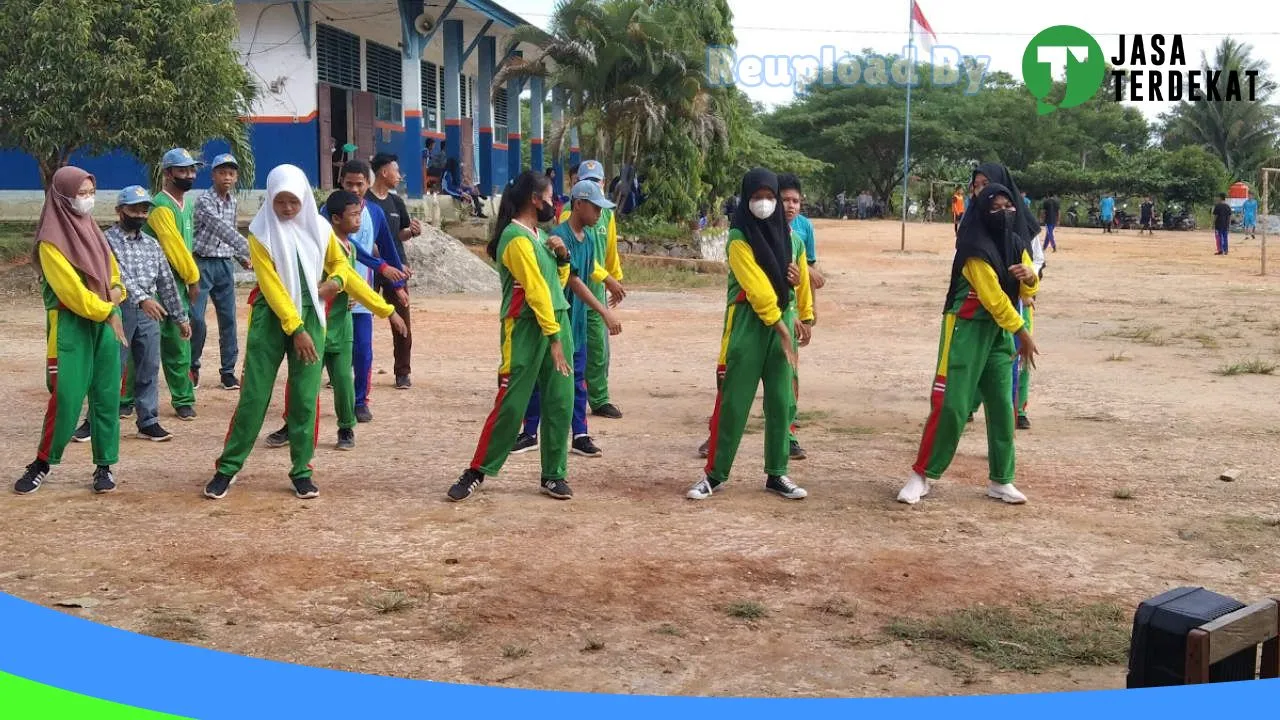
pixel 51 412
pixel 715 422
pixel 931 426
pixel 486 435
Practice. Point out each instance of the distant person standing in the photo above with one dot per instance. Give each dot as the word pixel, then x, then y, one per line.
pixel 1051 207
pixel 386 176
pixel 1221 223
pixel 1107 211
pixel 957 208
pixel 1026 201
pixel 1250 220
pixel 1147 216
pixel 218 247
pixel 841 198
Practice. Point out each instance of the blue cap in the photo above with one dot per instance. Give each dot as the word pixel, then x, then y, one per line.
pixel 225 159
pixel 178 157
pixel 133 195
pixel 590 191
pixel 591 170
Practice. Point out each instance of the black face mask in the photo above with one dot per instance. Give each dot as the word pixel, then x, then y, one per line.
pixel 998 220
pixel 546 213
pixel 183 184
pixel 132 224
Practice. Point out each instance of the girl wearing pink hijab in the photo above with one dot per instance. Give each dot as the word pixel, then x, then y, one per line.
pixel 80 281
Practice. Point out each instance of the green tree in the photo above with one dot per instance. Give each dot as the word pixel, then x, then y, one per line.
pixel 141 76
pixel 1193 175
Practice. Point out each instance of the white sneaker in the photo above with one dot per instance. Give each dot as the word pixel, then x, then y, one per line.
pixel 703 489
pixel 1007 493
pixel 916 488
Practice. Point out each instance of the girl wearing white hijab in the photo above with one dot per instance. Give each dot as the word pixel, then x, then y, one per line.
pixel 300 268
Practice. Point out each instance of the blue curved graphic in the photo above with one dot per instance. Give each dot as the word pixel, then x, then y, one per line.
pixel 97 661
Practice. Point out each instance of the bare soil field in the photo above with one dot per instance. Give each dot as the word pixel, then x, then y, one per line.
pixel 1155 377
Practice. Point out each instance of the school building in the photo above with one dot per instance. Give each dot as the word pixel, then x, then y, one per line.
pixel 382 75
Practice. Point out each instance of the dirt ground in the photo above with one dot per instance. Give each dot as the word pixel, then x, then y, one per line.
pixel 625 588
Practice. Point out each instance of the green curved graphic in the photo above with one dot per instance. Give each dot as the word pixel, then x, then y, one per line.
pixel 29 700
pixel 1069 47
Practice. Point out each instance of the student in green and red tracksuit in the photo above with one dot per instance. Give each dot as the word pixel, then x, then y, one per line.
pixel 344 210
pixel 292 249
pixel 534 336
pixel 82 290
pixel 765 259
pixel 991 271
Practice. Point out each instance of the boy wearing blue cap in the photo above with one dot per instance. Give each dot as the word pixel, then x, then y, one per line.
pixel 171 222
pixel 587 202
pixel 218 247
pixel 606 239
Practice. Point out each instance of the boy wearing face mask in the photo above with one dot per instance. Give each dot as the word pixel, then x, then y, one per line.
pixel 171 222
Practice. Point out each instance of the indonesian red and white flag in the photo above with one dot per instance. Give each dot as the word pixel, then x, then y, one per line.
pixel 920 29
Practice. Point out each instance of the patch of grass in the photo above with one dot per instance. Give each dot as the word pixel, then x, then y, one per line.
pixel 15 240
pixel 1145 334
pixel 850 430
pixel 1206 341
pixel 389 601
pixel 746 610
pixel 1118 357
pixel 1123 494
pixel 808 416
pixel 175 625
pixel 1028 638
pixel 669 277
pixel 839 607
pixel 1257 366
pixel 453 631
pixel 644 228
pixel 593 645
pixel 948 659
pixel 669 629
pixel 515 652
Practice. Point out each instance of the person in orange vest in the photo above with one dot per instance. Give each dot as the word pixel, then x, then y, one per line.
pixel 957 208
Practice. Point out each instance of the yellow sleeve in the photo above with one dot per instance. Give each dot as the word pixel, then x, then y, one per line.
pixel 165 225
pixel 982 277
pixel 563 272
pixel 1025 291
pixel 70 289
pixel 599 274
pixel 754 282
pixel 337 267
pixel 272 288
pixel 116 281
pixel 564 214
pixel 804 293
pixel 523 264
pixel 612 260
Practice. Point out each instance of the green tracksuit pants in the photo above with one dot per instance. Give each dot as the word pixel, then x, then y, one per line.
pixel 975 359
pixel 597 353
pixel 751 352
pixel 526 363
pixel 1022 383
pixel 82 361
pixel 338 365
pixel 265 347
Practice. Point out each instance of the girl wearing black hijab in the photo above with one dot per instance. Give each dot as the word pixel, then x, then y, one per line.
pixel 990 273
pixel 757 343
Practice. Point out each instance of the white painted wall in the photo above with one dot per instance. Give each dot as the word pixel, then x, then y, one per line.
pixel 271 46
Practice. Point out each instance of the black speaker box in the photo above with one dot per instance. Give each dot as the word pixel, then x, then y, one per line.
pixel 1158 649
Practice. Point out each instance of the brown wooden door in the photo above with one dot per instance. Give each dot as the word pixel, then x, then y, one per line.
pixel 363 103
pixel 324 113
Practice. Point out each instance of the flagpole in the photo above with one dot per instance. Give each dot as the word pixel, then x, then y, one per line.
pixel 906 139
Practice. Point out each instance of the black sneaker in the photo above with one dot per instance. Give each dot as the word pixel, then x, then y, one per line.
pixel 582 445
pixel 186 413
pixel 797 452
pixel 229 382
pixel 31 478
pixel 195 379
pixel 82 433
pixel 558 489
pixel 126 411
pixel 782 485
pixel 524 443
pixel 363 415
pixel 154 433
pixel 704 449
pixel 1024 423
pixel 218 486
pixel 346 439
pixel 278 439
pixel 305 489
pixel 104 481
pixel 466 485
pixel 608 410
pixel 402 382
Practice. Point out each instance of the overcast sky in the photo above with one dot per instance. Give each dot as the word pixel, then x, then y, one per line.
pixel 803 27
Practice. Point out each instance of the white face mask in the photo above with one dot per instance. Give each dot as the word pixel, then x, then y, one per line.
pixel 82 205
pixel 763 209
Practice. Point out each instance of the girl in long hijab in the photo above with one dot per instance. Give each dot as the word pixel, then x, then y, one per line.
pixel 80 282
pixel 757 343
pixel 990 273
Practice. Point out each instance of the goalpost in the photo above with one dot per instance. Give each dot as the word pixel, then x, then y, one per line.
pixel 1266 176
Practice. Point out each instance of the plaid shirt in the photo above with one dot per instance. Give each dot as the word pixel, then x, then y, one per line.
pixel 145 271
pixel 216 233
